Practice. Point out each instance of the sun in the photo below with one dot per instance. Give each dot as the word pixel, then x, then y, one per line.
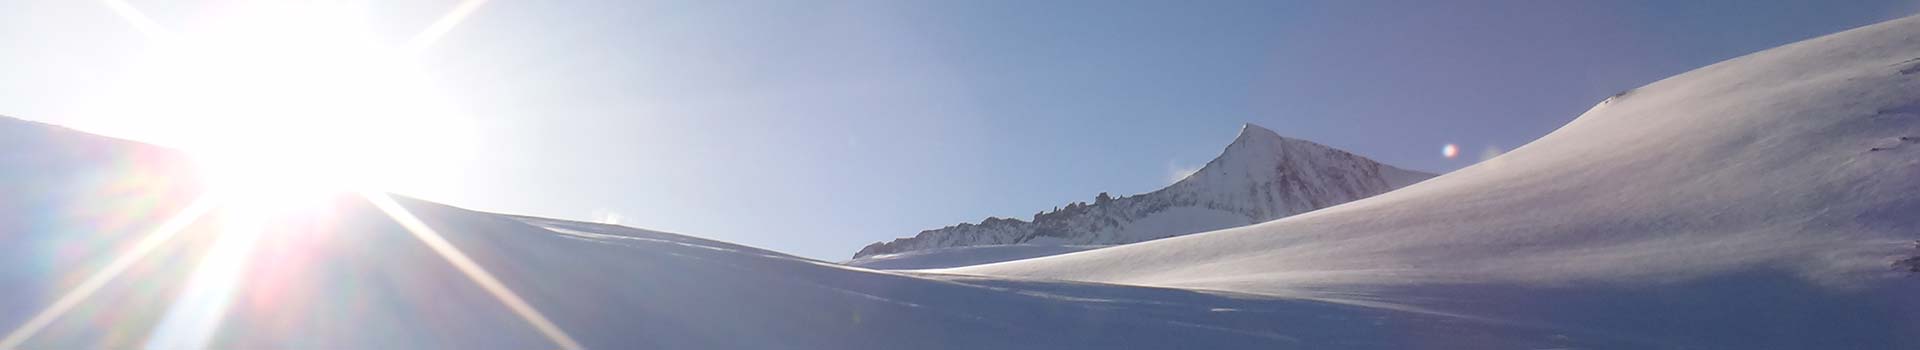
pixel 285 105
pixel 287 100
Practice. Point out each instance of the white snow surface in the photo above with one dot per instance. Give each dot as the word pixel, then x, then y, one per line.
pixel 1761 194
pixel 1261 176
pixel 346 276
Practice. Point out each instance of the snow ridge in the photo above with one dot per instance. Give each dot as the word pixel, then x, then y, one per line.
pixel 1261 176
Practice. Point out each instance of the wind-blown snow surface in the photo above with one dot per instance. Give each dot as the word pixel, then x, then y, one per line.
pixel 342 275
pixel 1261 176
pixel 1761 202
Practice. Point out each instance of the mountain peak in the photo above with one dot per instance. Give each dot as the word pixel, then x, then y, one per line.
pixel 1260 176
pixel 1257 142
pixel 1250 132
pixel 1259 153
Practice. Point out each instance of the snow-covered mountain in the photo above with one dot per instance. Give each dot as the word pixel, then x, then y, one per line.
pixel 1261 176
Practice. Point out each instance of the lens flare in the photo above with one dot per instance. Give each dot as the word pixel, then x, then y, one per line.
pixel 194 317
pixel 478 274
pixel 284 105
pixel 299 98
pixel 120 264
pixel 1450 151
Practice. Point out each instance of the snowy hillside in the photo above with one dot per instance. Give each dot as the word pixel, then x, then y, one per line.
pixel 1763 202
pixel 1261 176
pixel 345 275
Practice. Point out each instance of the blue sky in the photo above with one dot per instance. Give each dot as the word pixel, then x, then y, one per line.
pixel 817 127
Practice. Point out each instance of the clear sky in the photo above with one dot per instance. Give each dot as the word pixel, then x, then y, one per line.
pixel 816 127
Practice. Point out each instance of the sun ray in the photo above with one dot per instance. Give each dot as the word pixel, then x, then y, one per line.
pixel 138 19
pixel 153 239
pixel 194 318
pixel 479 275
pixel 445 24
pixel 195 315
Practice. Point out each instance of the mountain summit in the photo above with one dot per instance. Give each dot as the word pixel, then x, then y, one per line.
pixel 1261 176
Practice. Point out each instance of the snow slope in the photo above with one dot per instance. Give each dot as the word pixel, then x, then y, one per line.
pixel 1761 202
pixel 343 275
pixel 1261 176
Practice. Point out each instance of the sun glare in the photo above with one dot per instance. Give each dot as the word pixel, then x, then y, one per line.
pixel 285 106
pixel 283 100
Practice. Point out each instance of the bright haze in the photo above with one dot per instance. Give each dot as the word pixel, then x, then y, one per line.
pixel 816 127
